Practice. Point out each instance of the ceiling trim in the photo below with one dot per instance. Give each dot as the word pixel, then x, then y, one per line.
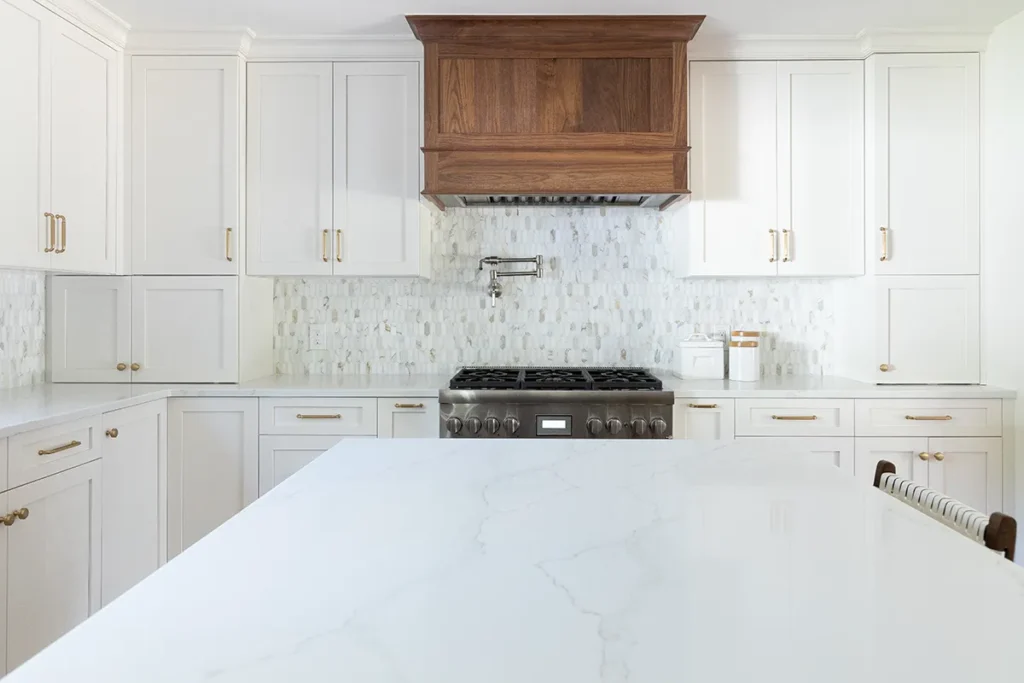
pixel 860 46
pixel 92 17
pixel 227 42
pixel 304 48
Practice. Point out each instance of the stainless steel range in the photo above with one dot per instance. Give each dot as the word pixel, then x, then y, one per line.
pixel 542 403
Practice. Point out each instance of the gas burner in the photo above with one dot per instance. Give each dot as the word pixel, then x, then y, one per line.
pixel 555 378
pixel 486 378
pixel 624 378
pixel 562 379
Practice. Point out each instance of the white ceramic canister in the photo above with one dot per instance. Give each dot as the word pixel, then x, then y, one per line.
pixel 745 356
pixel 701 357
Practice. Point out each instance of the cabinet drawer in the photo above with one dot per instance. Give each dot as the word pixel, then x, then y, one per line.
pixel 318 416
pixel 929 417
pixel 794 417
pixel 704 419
pixel 42 452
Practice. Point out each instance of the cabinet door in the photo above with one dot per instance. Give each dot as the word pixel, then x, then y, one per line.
pixel 53 559
pixel 704 419
pixel 24 134
pixel 185 157
pixel 928 330
pixel 909 454
pixel 821 167
pixel 376 168
pixel 408 418
pixel 733 168
pixel 90 329
pixel 969 470
pixel 289 184
pixel 923 163
pixel 83 139
pixel 283 456
pixel 185 329
pixel 212 465
pixel 134 496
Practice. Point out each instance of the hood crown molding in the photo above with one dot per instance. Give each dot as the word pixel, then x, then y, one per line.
pixel 300 48
pixel 93 17
pixel 226 42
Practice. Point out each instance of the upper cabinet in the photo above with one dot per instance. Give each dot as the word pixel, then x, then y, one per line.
pixel 186 122
pixel 923 148
pixel 332 172
pixel 777 168
pixel 58 179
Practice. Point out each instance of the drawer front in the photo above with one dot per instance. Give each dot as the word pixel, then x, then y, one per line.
pixel 42 452
pixel 929 417
pixel 355 416
pixel 704 419
pixel 794 417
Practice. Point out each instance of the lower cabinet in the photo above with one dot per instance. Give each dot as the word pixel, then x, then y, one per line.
pixel 704 419
pixel 408 418
pixel 134 496
pixel 212 465
pixel 969 469
pixel 838 450
pixel 281 456
pixel 52 558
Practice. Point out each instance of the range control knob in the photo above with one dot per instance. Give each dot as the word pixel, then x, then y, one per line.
pixel 614 426
pixel 511 425
pixel 595 426
pixel 492 424
pixel 454 425
pixel 659 427
pixel 640 426
pixel 473 424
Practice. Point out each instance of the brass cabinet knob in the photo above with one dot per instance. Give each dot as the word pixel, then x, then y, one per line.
pixel 121 367
pixel 112 432
pixel 885 367
pixel 923 456
pixel 940 457
pixel 22 513
pixel 136 367
pixel 9 519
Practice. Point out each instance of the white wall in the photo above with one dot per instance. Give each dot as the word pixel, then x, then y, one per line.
pixel 1003 234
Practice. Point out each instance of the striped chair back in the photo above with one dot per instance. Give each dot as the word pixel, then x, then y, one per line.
pixel 997 531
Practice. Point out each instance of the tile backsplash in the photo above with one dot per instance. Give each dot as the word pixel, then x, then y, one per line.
pixel 609 295
pixel 22 328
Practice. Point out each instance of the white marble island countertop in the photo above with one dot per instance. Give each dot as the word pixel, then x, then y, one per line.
pixel 451 561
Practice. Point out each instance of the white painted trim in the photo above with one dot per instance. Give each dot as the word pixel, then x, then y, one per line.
pixel 864 44
pixel 306 48
pixel 206 43
pixel 93 18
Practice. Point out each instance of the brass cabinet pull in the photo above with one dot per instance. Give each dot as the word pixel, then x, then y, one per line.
pixel 931 418
pixel 121 367
pixel 22 513
pixel 58 449
pixel 324 252
pixel 51 241
pixel 702 405
pixel 885 367
pixel 336 416
pixel 885 244
pixel 408 405
pixel 785 246
pixel 112 432
pixel 939 456
pixel 775 247
pixel 795 417
pixel 337 245
pixel 135 367
pixel 923 456
pixel 63 234
pixel 11 517
pixel 227 244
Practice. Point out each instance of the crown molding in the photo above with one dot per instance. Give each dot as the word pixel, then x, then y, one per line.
pixel 860 46
pixel 227 42
pixel 93 17
pixel 304 48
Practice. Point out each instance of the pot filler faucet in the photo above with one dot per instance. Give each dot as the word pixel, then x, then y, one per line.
pixel 494 287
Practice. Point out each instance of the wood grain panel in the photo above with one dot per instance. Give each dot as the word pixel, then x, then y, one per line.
pixel 602 95
pixel 635 95
pixel 565 172
pixel 431 94
pixel 661 94
pixel 457 110
pixel 679 91
pixel 559 95
pixel 488 85
pixel 522 100
pixel 554 141
pixel 547 29
pixel 612 48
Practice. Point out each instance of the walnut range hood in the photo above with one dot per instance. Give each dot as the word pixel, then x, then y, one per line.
pixel 561 110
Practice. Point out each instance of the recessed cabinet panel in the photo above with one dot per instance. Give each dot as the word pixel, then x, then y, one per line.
pixel 89 335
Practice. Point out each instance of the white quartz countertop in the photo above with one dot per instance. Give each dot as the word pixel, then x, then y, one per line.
pixel 450 561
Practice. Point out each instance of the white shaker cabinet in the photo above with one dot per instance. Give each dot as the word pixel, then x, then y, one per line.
pixel 186 122
pixel 53 558
pixel 212 465
pixel 89 333
pixel 923 132
pixel 704 419
pixel 928 329
pixel 283 456
pixel 408 418
pixel 134 495
pixel 289 172
pixel 905 452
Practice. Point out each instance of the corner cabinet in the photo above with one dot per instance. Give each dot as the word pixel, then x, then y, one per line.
pixel 777 169
pixel 333 170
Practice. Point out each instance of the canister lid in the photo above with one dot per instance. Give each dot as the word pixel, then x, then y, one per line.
pixel 745 333
pixel 743 344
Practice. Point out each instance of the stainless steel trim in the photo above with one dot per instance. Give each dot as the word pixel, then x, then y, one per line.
pixel 545 396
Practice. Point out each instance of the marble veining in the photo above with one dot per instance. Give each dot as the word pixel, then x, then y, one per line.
pixel 609 296
pixel 446 561
pixel 22 328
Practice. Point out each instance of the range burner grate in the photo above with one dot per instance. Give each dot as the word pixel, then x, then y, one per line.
pixel 582 379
